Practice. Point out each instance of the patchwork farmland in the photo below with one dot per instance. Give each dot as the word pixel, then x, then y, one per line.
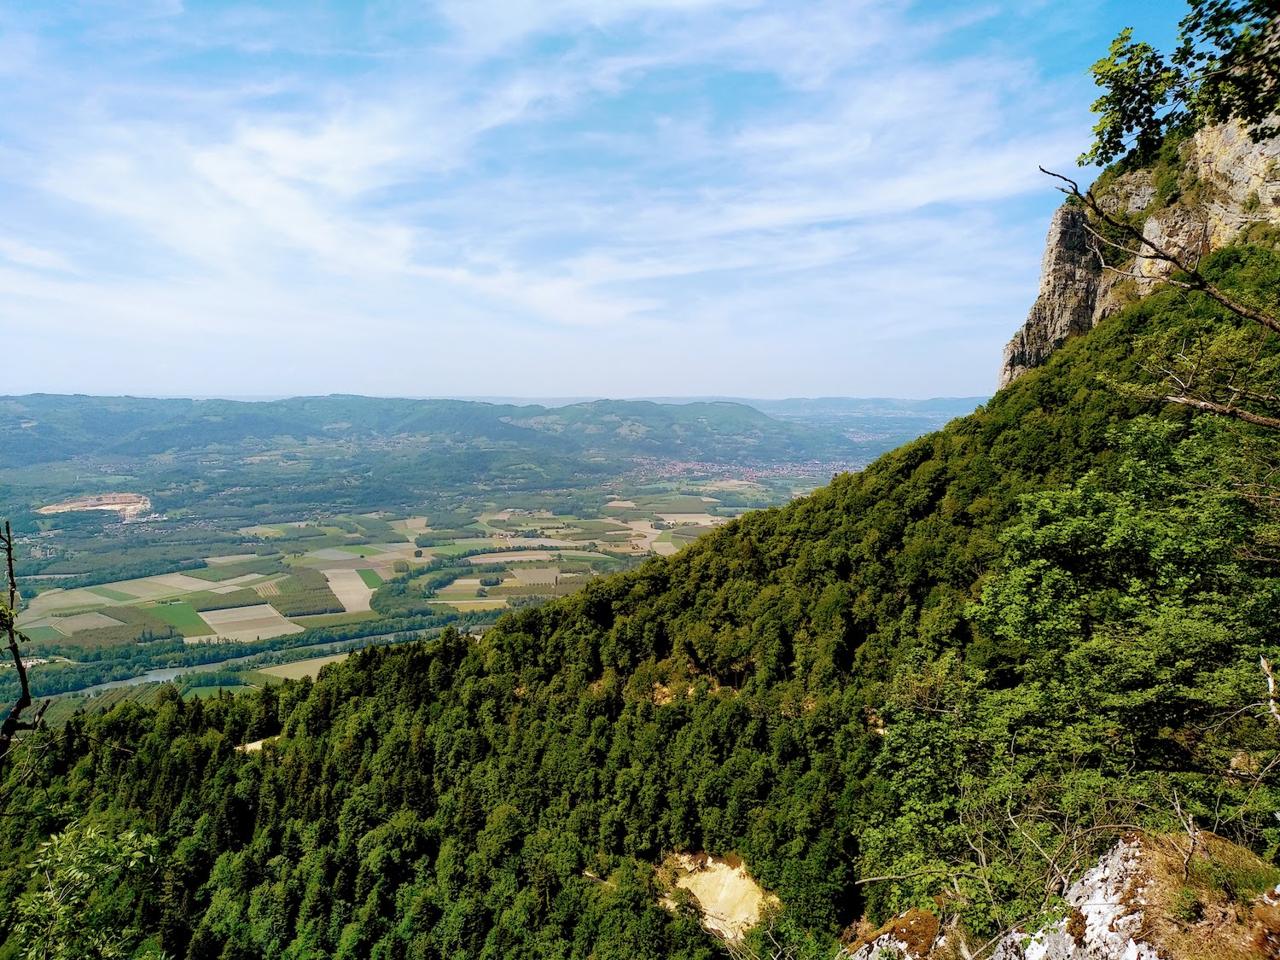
pixel 351 574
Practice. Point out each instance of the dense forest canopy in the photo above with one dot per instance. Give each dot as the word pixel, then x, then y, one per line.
pixel 1052 604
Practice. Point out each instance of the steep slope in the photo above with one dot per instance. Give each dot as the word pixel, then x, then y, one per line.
pixel 1148 898
pixel 1042 615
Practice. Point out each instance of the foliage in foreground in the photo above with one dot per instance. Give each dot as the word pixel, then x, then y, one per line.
pixel 1223 68
pixel 73 910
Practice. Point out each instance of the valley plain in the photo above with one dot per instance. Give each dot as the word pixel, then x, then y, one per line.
pixel 208 540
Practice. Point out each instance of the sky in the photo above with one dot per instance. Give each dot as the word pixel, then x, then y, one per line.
pixel 533 197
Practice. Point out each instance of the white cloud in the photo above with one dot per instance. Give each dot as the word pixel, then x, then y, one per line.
pixel 491 27
pixel 582 180
pixel 27 255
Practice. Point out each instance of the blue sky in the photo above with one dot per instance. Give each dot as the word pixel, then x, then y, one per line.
pixel 533 197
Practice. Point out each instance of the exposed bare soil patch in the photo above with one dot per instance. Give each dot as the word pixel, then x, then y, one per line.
pixel 730 900
pixel 128 505
pixel 350 589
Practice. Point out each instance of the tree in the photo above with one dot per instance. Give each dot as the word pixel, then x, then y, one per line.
pixel 76 911
pixel 1225 67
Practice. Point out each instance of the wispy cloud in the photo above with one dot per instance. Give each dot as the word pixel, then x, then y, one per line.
pixel 532 192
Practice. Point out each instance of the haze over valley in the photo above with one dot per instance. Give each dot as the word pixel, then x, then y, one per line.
pixel 207 525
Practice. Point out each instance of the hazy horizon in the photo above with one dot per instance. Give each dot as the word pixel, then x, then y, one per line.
pixel 505 398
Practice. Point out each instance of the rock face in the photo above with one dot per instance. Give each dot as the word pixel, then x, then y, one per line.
pixel 911 936
pixel 1227 184
pixel 1069 275
pixel 1105 923
pixel 1121 909
pixel 1106 920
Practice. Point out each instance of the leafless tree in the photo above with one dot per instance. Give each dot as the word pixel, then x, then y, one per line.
pixel 13 720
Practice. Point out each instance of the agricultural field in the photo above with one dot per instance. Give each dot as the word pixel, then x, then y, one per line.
pixel 274 584
pixel 300 668
pixel 260 622
pixel 351 589
pixel 301 570
pixel 61 709
pixel 205 693
pixel 359 521
pixel 182 617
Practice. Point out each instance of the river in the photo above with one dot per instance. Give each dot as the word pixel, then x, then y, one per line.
pixel 267 658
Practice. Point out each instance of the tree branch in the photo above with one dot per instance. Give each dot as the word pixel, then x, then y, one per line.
pixel 9 622
pixel 949 871
pixel 1152 251
pixel 1225 410
pixel 1271 688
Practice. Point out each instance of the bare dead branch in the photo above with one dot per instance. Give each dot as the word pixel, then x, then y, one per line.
pixel 1225 410
pixel 13 721
pixel 1153 251
pixel 1271 688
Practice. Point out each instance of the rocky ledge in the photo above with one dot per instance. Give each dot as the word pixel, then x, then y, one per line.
pixel 1226 184
pixel 1146 899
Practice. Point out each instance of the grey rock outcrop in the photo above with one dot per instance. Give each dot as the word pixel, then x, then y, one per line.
pixel 1106 922
pixel 1069 275
pixel 1227 184
pixel 1118 910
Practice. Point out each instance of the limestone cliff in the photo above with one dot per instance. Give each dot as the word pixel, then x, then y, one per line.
pixel 1218 185
pixel 1069 276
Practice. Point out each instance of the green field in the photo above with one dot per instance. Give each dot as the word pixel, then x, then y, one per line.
pixel 63 708
pixel 205 693
pixel 43 634
pixel 293 561
pixel 335 619
pixel 466 546
pixel 113 594
pixel 469 604
pixel 682 536
pixel 183 618
pixel 229 571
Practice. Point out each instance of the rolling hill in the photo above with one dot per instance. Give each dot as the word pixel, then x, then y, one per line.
pixel 45 428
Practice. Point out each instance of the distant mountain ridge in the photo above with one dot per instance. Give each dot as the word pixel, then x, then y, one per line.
pixel 42 428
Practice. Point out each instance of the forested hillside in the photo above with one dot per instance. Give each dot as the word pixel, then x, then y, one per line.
pixel 948 681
